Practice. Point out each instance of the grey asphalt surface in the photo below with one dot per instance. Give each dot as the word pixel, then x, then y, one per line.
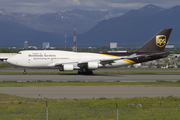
pixel 98 70
pixel 90 92
pixel 64 77
pixel 99 77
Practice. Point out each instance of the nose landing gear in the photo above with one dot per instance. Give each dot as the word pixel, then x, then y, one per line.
pixel 24 72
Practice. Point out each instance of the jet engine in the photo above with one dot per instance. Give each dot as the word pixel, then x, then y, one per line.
pixel 92 65
pixel 68 67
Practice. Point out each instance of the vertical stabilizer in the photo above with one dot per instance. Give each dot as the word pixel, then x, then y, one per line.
pixel 158 42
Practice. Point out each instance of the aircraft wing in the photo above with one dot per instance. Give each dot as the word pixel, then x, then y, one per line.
pixel 108 61
pixel 61 64
pixel 84 63
pixel 101 61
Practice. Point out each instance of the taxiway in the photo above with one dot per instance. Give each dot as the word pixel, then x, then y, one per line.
pixel 91 92
pixel 168 75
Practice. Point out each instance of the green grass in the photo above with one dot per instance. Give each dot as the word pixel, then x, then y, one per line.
pixel 6 65
pixel 79 83
pixel 159 108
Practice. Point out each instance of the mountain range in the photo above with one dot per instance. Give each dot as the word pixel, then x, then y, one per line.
pixel 52 27
pixel 94 28
pixel 134 28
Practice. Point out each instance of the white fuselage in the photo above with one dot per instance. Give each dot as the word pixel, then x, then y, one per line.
pixel 54 58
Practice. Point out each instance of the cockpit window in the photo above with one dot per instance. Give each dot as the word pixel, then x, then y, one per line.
pixel 19 53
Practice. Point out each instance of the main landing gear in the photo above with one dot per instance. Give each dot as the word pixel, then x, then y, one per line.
pixel 24 72
pixel 85 72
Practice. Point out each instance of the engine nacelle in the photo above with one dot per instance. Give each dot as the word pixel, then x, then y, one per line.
pixel 92 65
pixel 68 67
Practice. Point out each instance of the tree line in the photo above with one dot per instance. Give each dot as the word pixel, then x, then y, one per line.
pixel 7 50
pixel 172 51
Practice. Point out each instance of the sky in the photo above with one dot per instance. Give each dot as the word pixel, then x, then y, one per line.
pixel 49 6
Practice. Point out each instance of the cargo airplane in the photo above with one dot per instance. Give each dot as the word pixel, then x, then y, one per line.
pixel 85 63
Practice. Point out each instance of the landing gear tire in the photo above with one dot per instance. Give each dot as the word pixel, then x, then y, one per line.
pixel 85 72
pixel 80 72
pixel 89 72
pixel 24 72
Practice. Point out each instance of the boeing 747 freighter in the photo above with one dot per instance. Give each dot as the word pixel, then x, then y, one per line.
pixel 85 63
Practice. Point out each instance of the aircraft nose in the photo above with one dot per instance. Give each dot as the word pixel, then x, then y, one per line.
pixel 11 61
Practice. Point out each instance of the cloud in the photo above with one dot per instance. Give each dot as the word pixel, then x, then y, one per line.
pixel 45 6
pixel 76 2
pixel 139 3
pixel 126 5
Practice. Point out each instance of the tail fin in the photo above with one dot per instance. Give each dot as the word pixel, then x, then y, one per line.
pixel 158 42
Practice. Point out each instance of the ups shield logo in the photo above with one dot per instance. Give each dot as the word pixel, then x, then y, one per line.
pixel 160 40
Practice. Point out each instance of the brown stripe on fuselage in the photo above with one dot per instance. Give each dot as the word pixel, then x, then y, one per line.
pixel 129 61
